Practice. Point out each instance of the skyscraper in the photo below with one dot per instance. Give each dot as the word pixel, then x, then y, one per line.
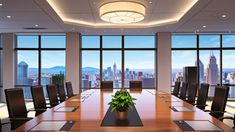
pixel 22 73
pixel 114 71
pixel 201 70
pixel 212 73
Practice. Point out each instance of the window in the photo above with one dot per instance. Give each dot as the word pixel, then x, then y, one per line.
pixel 139 42
pixel 120 59
pixel 112 67
pixel 228 55
pixel 90 69
pixel 184 54
pixel 209 50
pixel 181 59
pixel 210 64
pixel 40 58
pixel 209 41
pixel 143 70
pixel 112 41
pixel 90 42
pixel 1 67
pixel 184 41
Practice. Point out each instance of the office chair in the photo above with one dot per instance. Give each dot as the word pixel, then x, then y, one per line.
pixel 135 85
pixel 176 89
pixel 16 107
pixel 183 91
pixel 106 85
pixel 202 96
pixel 219 101
pixel 69 89
pixel 61 92
pixel 52 95
pixel 39 101
pixel 192 91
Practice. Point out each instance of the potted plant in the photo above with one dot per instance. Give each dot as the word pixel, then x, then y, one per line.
pixel 121 102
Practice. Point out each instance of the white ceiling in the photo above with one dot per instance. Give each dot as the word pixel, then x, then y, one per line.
pixel 27 13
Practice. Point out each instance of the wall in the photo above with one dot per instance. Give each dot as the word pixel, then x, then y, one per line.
pixel 72 59
pixel 8 61
pixel 164 61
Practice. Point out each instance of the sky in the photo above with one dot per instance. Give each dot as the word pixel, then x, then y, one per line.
pixel 133 59
pixel 49 58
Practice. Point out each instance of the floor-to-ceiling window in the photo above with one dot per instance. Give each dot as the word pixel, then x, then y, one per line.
pixel 40 60
pixel 228 66
pixel 1 90
pixel 183 54
pixel 215 54
pixel 119 59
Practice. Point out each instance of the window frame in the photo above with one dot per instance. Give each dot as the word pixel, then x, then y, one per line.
pixel 220 49
pixel 39 50
pixel 122 49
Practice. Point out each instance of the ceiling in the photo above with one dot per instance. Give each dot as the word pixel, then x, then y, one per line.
pixel 28 13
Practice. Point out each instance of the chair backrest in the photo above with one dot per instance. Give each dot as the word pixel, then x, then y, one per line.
pixel 192 92
pixel 176 89
pixel 61 92
pixel 15 103
pixel 202 95
pixel 220 98
pixel 69 89
pixel 183 90
pixel 106 85
pixel 52 95
pixel 135 84
pixel 38 97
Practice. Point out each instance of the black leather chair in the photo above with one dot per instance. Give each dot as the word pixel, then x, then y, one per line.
pixel 176 89
pixel 61 92
pixel 135 85
pixel 202 96
pixel 39 101
pixel 52 95
pixel 192 92
pixel 219 101
pixel 69 89
pixel 183 91
pixel 16 107
pixel 106 85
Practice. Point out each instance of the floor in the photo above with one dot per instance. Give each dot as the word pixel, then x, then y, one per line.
pixel 230 110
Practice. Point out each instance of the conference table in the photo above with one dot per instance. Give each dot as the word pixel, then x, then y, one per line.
pixel 156 110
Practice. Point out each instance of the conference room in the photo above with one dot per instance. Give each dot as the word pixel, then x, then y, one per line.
pixel 117 65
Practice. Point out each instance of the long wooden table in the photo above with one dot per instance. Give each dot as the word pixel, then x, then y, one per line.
pixel 153 109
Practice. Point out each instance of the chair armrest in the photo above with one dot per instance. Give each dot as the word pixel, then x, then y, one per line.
pixel 215 112
pixel 226 117
pixel 5 123
pixel 201 105
pixel 20 119
pixel 29 110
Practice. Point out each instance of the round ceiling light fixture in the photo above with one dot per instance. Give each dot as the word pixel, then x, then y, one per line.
pixel 122 12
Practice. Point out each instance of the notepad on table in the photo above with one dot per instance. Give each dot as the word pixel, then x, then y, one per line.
pixel 66 109
pixel 53 126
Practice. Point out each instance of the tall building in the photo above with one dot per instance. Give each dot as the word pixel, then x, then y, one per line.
pixel 22 73
pixel 212 73
pixel 114 71
pixel 201 70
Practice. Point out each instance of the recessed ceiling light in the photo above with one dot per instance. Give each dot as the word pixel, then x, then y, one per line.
pixel 36 25
pixel 150 2
pixel 8 16
pixel 0 4
pixel 223 15
pixel 204 26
